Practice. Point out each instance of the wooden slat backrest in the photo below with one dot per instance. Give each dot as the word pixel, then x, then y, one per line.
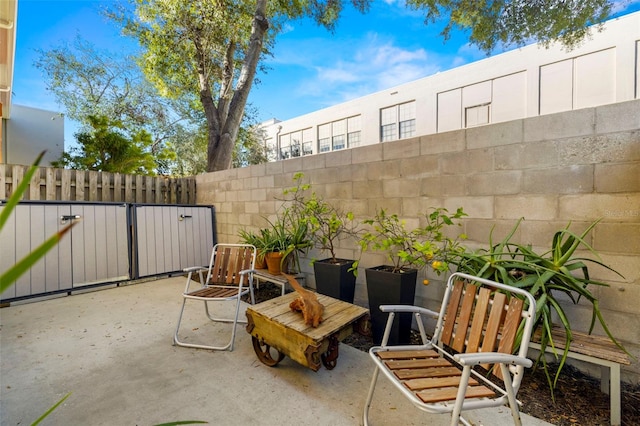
pixel 480 319
pixel 479 315
pixel 228 262
pixel 468 301
pixel 452 312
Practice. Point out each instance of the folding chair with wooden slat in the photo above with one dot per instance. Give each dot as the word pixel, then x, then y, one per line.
pixel 229 277
pixel 482 325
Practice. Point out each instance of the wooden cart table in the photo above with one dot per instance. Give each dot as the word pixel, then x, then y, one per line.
pixel 277 331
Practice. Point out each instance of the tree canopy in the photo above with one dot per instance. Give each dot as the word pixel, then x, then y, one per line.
pixel 209 52
pixel 102 88
pixel 105 149
pixel 491 23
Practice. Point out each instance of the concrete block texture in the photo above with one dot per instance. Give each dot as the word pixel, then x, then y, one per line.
pixel 612 148
pixel 565 180
pixel 420 166
pixel 618 117
pixel 367 154
pixel 617 237
pixel 542 154
pixel 408 148
pixel 530 207
pixel 401 188
pixel 506 133
pixel 495 183
pixel 557 126
pixel 623 207
pixel 618 177
pixel 442 142
pixel 577 166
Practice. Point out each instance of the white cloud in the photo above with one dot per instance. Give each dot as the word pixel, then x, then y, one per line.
pixel 620 5
pixel 341 70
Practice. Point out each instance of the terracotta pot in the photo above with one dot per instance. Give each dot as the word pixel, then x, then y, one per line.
pixel 273 262
pixel 261 262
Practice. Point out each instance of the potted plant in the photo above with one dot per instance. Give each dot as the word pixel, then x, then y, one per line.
pixel 545 276
pixel 259 241
pixel 326 226
pixel 407 250
pixel 288 238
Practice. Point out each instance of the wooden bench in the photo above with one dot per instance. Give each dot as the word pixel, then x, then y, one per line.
pixel 479 325
pixel 597 350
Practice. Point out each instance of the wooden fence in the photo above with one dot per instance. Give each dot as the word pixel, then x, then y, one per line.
pixel 80 185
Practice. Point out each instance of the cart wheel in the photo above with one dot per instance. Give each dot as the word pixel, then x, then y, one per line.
pixel 330 357
pixel 264 353
pixel 328 363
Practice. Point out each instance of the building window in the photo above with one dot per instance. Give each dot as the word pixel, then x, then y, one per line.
pixel 307 142
pixel 338 142
pixel 338 132
pixel 353 139
pixel 324 137
pixel 307 148
pixel 407 119
pixel 285 146
pixel 353 129
pixel 477 115
pixel 398 122
pixel 296 143
pixel 388 132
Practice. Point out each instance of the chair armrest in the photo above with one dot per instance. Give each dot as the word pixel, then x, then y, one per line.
pixel 194 269
pixel 247 271
pixel 408 308
pixel 491 358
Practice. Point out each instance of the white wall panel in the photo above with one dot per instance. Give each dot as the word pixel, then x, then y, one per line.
pixel 476 94
pixel 450 110
pixel 595 79
pixel 556 87
pixel 509 98
pixel 637 80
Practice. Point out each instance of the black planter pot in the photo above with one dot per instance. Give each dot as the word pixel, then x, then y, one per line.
pixel 390 288
pixel 334 279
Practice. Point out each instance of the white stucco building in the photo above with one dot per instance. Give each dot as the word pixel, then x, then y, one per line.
pixel 522 83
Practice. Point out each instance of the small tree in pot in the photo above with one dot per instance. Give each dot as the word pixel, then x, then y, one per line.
pixel 326 226
pixel 407 250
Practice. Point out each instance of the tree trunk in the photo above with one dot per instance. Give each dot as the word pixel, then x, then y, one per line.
pixel 224 131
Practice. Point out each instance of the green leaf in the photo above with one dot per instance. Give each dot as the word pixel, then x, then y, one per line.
pixel 20 189
pixel 13 273
pixel 50 410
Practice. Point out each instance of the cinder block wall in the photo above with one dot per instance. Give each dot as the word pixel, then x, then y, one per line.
pixel 575 167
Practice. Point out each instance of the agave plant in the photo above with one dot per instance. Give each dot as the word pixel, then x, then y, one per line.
pixel 545 276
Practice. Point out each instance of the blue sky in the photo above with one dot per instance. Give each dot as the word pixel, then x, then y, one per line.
pixel 311 68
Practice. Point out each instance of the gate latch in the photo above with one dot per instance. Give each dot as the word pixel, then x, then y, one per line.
pixel 66 218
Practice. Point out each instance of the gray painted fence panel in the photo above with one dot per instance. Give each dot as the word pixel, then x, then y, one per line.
pixel 171 238
pixel 111 243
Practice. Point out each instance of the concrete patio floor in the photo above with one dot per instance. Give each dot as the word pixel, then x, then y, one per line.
pixel 112 350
